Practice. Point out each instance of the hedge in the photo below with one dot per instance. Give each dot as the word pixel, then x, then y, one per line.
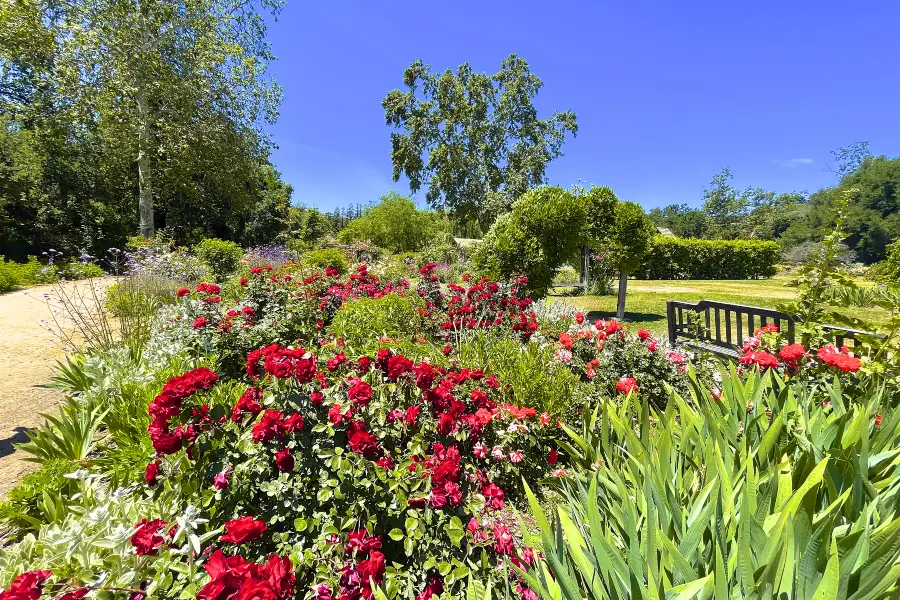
pixel 685 258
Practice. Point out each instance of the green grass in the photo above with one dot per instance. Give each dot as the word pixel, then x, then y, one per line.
pixel 645 304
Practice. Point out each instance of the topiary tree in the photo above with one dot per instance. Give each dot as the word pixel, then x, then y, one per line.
pixel 543 231
pixel 629 237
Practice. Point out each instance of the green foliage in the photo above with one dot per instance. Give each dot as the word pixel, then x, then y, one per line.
pixel 308 225
pixel 630 236
pixel 447 115
pixel 508 249
pixel 534 377
pixel 326 257
pixel 70 139
pixel 677 258
pixel 22 505
pixel 222 257
pixel 16 275
pixel 890 270
pixel 76 269
pixel 361 322
pixel 762 492
pixel 70 435
pixel 396 224
pixel 543 231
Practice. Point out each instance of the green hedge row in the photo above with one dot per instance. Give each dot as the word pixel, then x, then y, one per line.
pixel 683 258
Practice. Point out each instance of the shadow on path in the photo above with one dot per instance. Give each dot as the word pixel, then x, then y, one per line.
pixel 6 446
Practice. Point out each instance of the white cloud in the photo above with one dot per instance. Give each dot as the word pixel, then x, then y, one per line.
pixel 794 162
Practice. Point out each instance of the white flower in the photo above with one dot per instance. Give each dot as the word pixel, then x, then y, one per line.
pixel 497 453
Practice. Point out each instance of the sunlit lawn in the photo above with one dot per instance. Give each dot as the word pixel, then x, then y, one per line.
pixel 646 301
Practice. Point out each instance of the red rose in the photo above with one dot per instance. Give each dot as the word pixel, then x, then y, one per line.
pixel 360 392
pixel 166 443
pixel 27 586
pixel 281 576
pixel 317 398
pixel 146 540
pixel 151 473
pixel 200 322
pixel 243 529
pixel 75 595
pixel 627 385
pixel 494 496
pixel 284 460
pixel 579 318
pixel 503 540
pixel 248 403
pixel 552 457
pixel 411 415
pixel 243 281
pixel 269 427
pixel 371 570
pixel 792 353
pixel 293 423
pixel 361 441
pixel 839 358
pixel 253 589
pixel 398 366
pixel 364 363
pixel 182 292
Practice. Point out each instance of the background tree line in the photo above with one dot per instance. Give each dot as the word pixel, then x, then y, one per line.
pixel 798 220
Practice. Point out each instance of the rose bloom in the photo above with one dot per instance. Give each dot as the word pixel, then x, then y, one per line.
pixel 480 450
pixel 243 529
pixel 220 481
pixel 151 473
pixel 200 322
pixel 559 473
pixel 552 457
pixel 791 353
pixel 515 456
pixel 763 359
pixel 839 358
pixel 146 540
pixel 284 460
pixel 497 453
pixel 579 318
pixel 626 385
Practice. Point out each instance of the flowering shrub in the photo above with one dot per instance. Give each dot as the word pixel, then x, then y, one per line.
pixel 619 360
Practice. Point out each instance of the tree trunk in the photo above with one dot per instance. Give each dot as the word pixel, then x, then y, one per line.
pixel 145 170
pixel 623 288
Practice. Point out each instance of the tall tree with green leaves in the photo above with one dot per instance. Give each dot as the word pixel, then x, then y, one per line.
pixel 161 78
pixel 474 139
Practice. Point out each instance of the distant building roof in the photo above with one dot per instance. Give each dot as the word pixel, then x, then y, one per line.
pixel 665 232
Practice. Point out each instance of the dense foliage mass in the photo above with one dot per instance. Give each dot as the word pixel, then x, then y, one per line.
pixel 680 258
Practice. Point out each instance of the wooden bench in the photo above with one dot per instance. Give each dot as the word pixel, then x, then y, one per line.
pixel 723 328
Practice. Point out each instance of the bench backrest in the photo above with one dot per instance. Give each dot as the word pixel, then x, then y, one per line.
pixel 729 325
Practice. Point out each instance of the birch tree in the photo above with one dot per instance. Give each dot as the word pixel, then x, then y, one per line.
pixel 162 76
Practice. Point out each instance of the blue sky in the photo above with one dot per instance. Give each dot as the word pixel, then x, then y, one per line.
pixel 667 93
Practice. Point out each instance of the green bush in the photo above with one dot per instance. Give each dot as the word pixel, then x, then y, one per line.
pixel 363 321
pixel 16 275
pixel 688 258
pixel 396 224
pixel 22 505
pixel 222 257
pixel 507 249
pixel 889 269
pixel 544 230
pixel 326 257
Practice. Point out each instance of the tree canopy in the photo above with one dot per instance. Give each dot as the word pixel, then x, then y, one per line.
pixel 167 117
pixel 474 139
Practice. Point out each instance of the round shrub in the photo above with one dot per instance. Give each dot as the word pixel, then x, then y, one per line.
pixel 326 257
pixel 221 256
pixel 508 249
pixel 890 269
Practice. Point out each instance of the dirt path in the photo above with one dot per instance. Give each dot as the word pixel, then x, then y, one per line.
pixel 27 358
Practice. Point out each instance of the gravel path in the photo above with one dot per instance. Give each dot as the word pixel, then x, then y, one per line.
pixel 27 358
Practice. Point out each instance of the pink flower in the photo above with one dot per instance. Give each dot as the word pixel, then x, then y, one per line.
pixel 480 450
pixel 626 385
pixel 220 481
pixel 515 456
pixel 498 453
pixel 559 473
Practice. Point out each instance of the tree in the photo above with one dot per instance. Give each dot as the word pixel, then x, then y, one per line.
pixel 396 224
pixel 850 158
pixel 629 240
pixel 484 142
pixel 545 229
pixel 163 78
pixel 681 220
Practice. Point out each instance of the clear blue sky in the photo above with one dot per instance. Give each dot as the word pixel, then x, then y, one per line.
pixel 667 93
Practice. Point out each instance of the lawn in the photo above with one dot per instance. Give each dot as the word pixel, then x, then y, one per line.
pixel 646 301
